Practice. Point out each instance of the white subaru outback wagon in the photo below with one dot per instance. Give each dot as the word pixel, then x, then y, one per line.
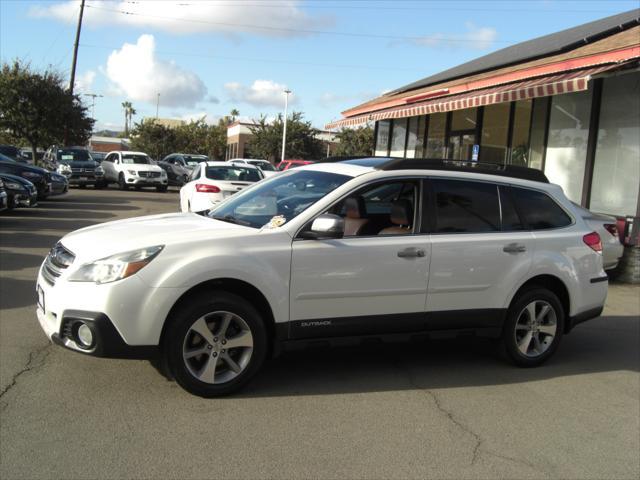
pixel 366 247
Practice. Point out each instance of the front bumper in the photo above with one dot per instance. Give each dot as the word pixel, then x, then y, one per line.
pixel 147 181
pixel 85 180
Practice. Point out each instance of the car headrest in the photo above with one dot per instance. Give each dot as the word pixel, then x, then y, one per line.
pixel 355 207
pixel 402 212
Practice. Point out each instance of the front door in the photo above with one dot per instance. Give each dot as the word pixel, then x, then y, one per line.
pixel 373 281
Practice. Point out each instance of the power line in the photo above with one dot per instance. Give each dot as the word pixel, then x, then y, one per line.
pixel 263 60
pixel 300 30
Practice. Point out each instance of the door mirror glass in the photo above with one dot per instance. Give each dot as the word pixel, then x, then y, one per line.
pixel 326 226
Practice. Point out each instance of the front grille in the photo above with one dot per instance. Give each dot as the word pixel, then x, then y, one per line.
pixel 145 174
pixel 82 170
pixel 57 261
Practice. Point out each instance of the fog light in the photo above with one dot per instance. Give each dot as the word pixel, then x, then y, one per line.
pixel 85 335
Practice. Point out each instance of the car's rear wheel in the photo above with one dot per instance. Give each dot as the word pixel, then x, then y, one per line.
pixel 214 345
pixel 534 327
pixel 122 182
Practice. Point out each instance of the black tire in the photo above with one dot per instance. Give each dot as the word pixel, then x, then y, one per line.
pixel 99 185
pixel 162 189
pixel 540 297
pixel 180 327
pixel 122 183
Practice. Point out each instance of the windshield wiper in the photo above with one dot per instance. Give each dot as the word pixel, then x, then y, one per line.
pixel 231 219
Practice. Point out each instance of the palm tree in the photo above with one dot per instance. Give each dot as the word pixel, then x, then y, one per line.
pixel 132 112
pixel 234 113
pixel 126 106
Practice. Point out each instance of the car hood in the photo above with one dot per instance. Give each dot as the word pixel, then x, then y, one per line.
pixel 81 164
pixel 28 168
pixel 15 179
pixel 105 239
pixel 142 167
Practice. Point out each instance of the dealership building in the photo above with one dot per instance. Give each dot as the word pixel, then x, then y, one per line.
pixel 566 103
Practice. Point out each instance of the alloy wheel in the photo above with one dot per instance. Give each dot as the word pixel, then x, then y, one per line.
pixel 217 347
pixel 536 327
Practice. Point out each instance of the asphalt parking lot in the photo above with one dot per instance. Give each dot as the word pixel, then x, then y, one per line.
pixel 447 409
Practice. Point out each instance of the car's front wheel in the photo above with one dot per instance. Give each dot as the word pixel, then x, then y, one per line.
pixel 122 183
pixel 214 345
pixel 534 327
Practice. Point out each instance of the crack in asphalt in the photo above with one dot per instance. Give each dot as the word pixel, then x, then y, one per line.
pixel 477 449
pixel 36 360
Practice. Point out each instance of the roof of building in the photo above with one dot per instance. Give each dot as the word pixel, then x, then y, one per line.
pixel 609 34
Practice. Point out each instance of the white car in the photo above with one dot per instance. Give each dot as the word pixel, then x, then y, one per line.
pixel 212 182
pixel 133 169
pixel 265 165
pixel 373 247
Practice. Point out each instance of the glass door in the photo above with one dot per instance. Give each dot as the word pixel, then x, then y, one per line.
pixel 461 145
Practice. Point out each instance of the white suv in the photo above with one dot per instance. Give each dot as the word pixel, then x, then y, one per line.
pixel 369 247
pixel 133 169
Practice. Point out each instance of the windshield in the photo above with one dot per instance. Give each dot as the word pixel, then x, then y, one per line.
pixel 66 156
pixel 286 196
pixel 193 160
pixel 4 158
pixel 264 166
pixel 233 174
pixel 129 159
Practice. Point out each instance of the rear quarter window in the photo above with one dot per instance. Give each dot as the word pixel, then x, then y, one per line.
pixel 538 210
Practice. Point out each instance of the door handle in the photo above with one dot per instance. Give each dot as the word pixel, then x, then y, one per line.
pixel 411 253
pixel 514 248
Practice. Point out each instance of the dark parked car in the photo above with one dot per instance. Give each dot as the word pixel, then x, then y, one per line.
pixel 59 184
pixel 20 192
pixel 98 156
pixel 10 151
pixel 77 165
pixel 179 166
pixel 40 177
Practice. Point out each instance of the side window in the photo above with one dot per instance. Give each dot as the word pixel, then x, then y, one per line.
pixel 466 207
pixel 108 158
pixel 510 219
pixel 387 208
pixel 539 210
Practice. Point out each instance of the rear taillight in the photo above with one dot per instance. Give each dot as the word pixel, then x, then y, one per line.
pixel 592 240
pixel 612 228
pixel 204 188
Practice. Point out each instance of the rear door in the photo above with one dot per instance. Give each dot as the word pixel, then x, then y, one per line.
pixel 480 250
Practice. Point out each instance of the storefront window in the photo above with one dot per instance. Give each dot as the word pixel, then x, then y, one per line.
pixel 435 140
pixel 464 119
pixel 520 136
pixel 398 137
pixel 616 174
pixel 538 130
pixel 382 140
pixel 495 133
pixel 567 144
pixel 415 147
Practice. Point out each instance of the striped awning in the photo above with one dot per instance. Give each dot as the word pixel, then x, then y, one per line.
pixel 574 81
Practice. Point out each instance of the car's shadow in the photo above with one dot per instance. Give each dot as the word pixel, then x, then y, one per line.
pixel 442 364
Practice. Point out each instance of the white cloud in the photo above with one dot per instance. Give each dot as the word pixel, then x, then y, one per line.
pixel 262 93
pixel 181 17
pixel 477 38
pixel 84 82
pixel 136 72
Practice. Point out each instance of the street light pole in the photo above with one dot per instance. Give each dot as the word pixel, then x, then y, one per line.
pixel 75 49
pixel 284 130
pixel 93 109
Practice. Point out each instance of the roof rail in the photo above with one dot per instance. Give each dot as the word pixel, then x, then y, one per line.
pixel 513 171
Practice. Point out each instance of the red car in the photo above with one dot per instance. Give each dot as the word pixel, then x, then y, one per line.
pixel 292 163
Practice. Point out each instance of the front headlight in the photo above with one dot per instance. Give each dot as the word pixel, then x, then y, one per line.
pixel 115 267
pixel 163 173
pixel 13 186
pixel 132 172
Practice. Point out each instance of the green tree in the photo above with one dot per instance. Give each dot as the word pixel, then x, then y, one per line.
pixel 301 141
pixel 129 112
pixel 37 109
pixel 355 141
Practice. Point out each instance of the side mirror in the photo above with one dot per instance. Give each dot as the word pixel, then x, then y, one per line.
pixel 325 226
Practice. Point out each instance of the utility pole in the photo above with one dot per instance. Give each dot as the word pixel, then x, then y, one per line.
pixel 284 130
pixel 157 105
pixel 75 49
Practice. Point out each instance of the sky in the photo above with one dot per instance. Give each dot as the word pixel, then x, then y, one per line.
pixel 207 57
